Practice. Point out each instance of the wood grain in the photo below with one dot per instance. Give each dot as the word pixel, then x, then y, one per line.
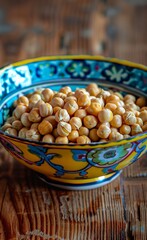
pixel 29 208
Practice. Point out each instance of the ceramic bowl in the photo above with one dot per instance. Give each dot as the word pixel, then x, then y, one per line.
pixel 72 166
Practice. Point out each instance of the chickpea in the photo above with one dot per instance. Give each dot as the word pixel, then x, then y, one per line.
pixel 139 121
pixel 132 106
pixel 11 131
pixel 143 108
pixel 99 100
pixel 33 100
pixel 62 140
pixel 72 137
pixel 112 97
pixel 65 90
pixel 83 100
pixel 105 115
pixel 129 118
pixel 144 127
pixel 55 133
pixel 118 94
pixel 63 129
pixel 45 127
pixel 135 129
pixel 62 115
pixel 47 95
pixel 104 94
pixel 111 106
pixel 70 98
pixel 60 95
pixel 34 126
pixel 103 131
pixel 119 110
pixel 56 109
pixel 129 97
pixel 125 129
pixel 22 132
pixel 5 126
pixel 116 121
pixel 141 102
pixel 48 138
pixel 93 135
pixel 75 123
pixel 80 91
pixel 57 102
pixel 115 136
pixel 52 120
pixel 126 136
pixel 71 107
pixel 94 108
pixel 83 140
pixel 17 124
pixel 143 115
pixel 23 100
pixel 45 110
pixel 11 119
pixel 93 89
pixel 34 115
pixel 83 131
pixel 37 105
pixel 32 134
pixel 80 113
pixel 25 120
pixel 19 110
pixel 90 121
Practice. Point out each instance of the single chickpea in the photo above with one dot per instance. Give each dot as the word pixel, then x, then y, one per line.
pixel 72 137
pixel 125 129
pixel 56 109
pixel 23 100
pixel 19 110
pixel 60 95
pixel 75 123
pixel 63 128
pixel 119 110
pixel 104 94
pixel 45 127
pixel 33 100
pixel 83 140
pixel 116 121
pixel 5 126
pixel 52 120
pixel 129 118
pixel 65 90
pixel 112 97
pixel 126 136
pixel 93 135
pixel 115 136
pixel 17 124
pixel 45 110
pixel 139 121
pixel 70 98
pixel 94 108
pixel 80 91
pixel 71 94
pixel 55 133
pixel 103 131
pixel 104 124
pixel 111 106
pixel 34 115
pixel 47 95
pixel 25 120
pixel 34 126
pixel 57 102
pixel 141 102
pixel 143 115
pixel 83 131
pixel 32 134
pixel 90 121
pixel 135 129
pixel 11 119
pixel 105 115
pixel 129 97
pixel 99 100
pixel 37 105
pixel 62 115
pixel 80 113
pixel 11 131
pixel 93 89
pixel 62 140
pixel 71 107
pixel 118 94
pixel 144 127
pixel 83 100
pixel 48 138
pixel 22 132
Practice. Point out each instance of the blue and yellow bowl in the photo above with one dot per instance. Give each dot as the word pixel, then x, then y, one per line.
pixel 72 166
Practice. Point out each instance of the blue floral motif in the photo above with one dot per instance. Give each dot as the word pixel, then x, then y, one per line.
pixel 46 69
pixel 79 155
pixel 78 69
pixel 116 73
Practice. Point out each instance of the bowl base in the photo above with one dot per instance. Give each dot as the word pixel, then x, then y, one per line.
pixel 80 184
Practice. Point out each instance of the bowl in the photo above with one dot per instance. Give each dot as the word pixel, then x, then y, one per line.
pixel 72 166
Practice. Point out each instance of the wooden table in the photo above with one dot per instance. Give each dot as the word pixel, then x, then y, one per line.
pixel 29 209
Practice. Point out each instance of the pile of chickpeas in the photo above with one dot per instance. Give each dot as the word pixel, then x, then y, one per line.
pixel 84 116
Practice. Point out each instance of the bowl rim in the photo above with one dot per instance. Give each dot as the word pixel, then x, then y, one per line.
pixel 76 57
